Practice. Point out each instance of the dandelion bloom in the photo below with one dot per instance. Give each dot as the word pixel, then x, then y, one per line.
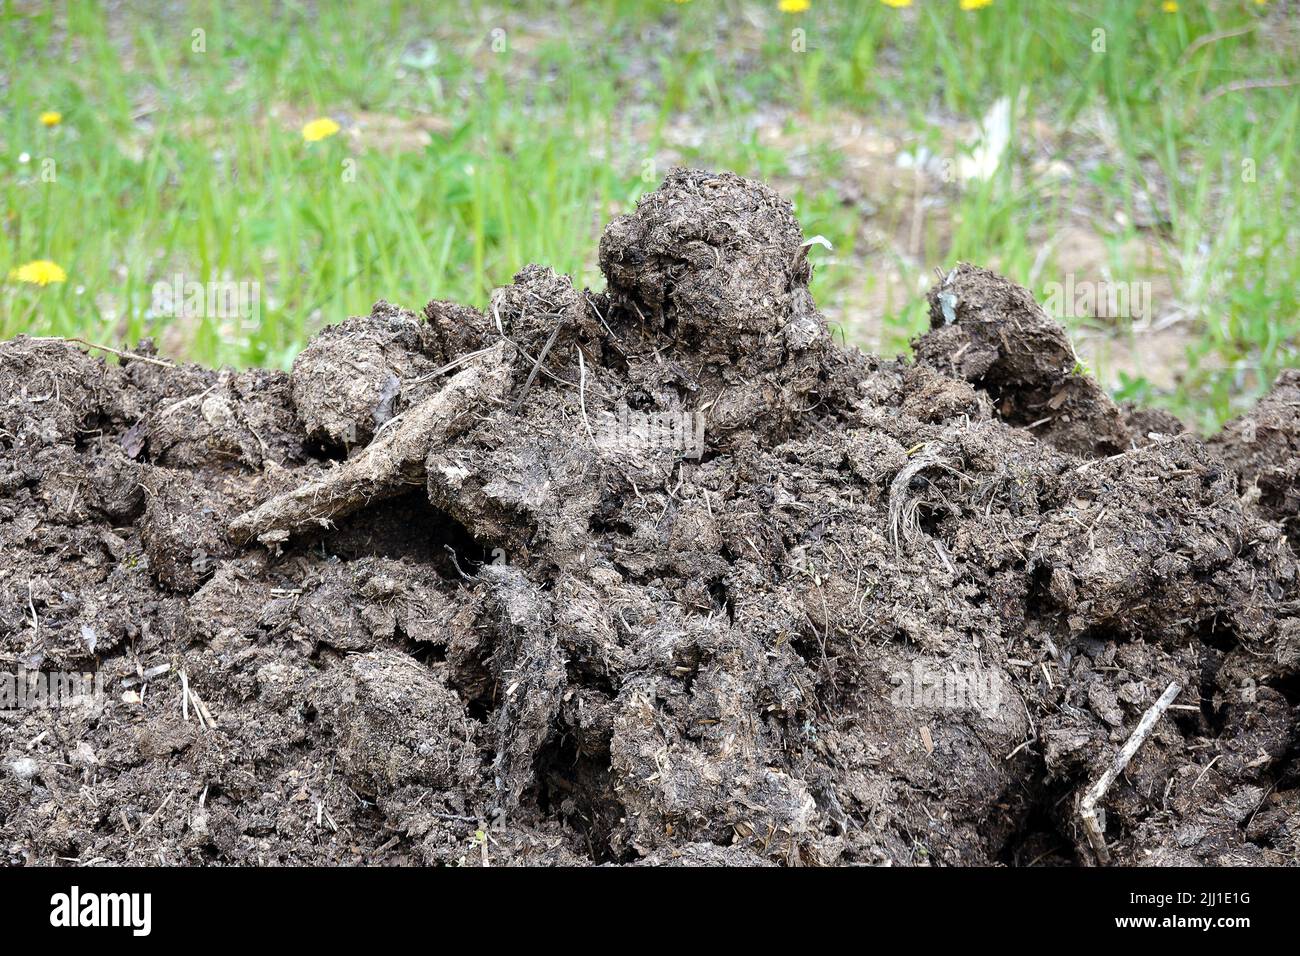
pixel 975 4
pixel 51 118
pixel 318 129
pixel 40 272
pixel 897 4
pixel 1169 6
pixel 794 6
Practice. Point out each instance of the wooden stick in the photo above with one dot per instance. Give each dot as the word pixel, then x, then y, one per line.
pixel 537 366
pixel 582 395
pixel 104 348
pixel 1088 806
pixel 390 464
pixel 161 807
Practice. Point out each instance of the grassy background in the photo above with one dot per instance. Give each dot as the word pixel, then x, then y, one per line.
pixel 476 138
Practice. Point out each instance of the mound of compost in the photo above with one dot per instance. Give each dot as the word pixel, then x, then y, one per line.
pixel 655 575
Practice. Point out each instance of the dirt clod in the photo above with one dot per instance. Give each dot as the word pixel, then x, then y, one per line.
pixel 993 334
pixel 1264 449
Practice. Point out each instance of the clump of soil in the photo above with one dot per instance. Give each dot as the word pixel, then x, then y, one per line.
pixel 993 334
pixel 355 377
pixel 654 575
pixel 1264 449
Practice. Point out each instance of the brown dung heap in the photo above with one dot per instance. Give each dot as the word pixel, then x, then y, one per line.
pixel 659 574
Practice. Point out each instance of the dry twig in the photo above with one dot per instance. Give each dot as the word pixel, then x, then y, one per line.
pixel 1088 806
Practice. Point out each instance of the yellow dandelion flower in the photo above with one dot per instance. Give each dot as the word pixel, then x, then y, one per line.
pixel 1169 6
pixel 39 272
pixel 793 6
pixel 897 4
pixel 51 118
pixel 319 129
pixel 975 4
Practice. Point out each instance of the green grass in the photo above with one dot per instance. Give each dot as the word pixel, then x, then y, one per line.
pixel 174 161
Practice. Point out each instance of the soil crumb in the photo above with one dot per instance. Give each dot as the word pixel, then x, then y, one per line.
pixel 657 575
